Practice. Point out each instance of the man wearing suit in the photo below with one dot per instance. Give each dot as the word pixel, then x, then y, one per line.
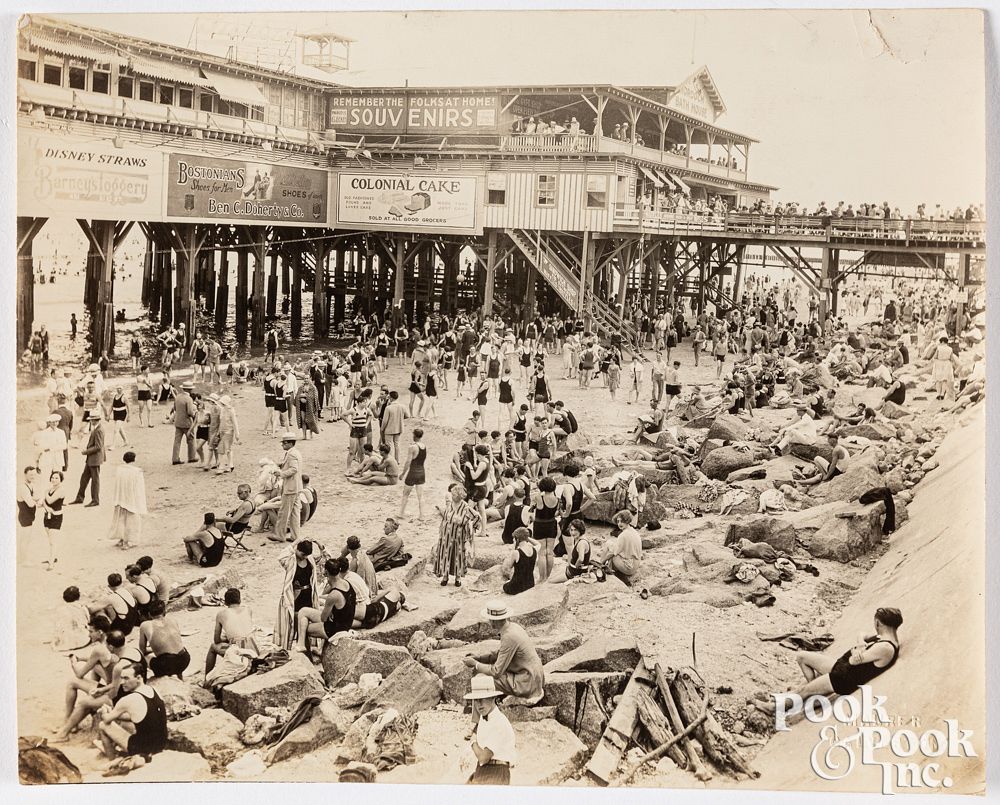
pixel 291 485
pixel 94 453
pixel 184 413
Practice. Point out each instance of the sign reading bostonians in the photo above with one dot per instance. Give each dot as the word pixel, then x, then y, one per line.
pixel 407 114
pixel 433 202
pixel 237 192
pixel 87 179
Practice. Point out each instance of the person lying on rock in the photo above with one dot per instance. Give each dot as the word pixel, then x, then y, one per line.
pixel 859 665
pixel 825 470
pixel 516 668
pixel 388 602
pixel 860 414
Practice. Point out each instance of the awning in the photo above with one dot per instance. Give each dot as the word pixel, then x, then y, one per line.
pixel 657 182
pixel 167 71
pixel 77 50
pixel 236 90
pixel 668 180
pixel 681 184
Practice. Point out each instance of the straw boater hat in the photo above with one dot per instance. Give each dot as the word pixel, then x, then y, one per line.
pixel 495 611
pixel 213 397
pixel 53 418
pixel 188 385
pixel 97 413
pixel 289 436
pixel 483 687
pixel 225 399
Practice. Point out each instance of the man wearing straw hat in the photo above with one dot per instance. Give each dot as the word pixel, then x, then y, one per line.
pixel 286 527
pixel 517 669
pixel 493 742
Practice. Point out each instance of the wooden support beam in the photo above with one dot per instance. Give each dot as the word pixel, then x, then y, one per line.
pixel 258 251
pixel 27 229
pixel 320 300
pixel 491 272
pixel 296 295
pixel 222 293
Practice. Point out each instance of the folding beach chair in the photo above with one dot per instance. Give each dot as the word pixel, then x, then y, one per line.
pixel 235 541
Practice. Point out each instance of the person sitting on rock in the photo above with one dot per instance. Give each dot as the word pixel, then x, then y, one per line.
pixel 649 424
pixel 518 567
pixel 622 554
pixel 233 627
pixel 160 642
pixel 143 717
pixel 860 414
pixel 388 551
pixel 516 668
pixel 578 560
pixel 802 431
pixel 825 470
pixel 857 666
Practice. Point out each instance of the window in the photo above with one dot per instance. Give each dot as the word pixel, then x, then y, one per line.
pixel 77 76
pixel 238 110
pixel 146 92
pixel 206 101
pixel 545 192
pixel 100 81
pixel 496 188
pixel 185 97
pixel 26 69
pixel 223 107
pixel 257 113
pixel 287 116
pixel 52 74
pixel 597 192
pixel 126 86
pixel 166 94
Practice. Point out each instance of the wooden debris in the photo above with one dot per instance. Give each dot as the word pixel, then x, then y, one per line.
pixel 620 728
pixel 699 768
pixel 656 724
pixel 719 748
pixel 666 747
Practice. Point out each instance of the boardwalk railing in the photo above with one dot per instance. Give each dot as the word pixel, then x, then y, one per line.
pixel 809 226
pixel 549 143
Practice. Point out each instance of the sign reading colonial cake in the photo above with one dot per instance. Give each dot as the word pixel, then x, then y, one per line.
pixel 402 113
pixel 434 202
pixel 87 179
pixel 232 191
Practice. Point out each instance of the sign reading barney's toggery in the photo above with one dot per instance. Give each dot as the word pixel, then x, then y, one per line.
pixel 433 202
pixel 237 192
pixel 87 179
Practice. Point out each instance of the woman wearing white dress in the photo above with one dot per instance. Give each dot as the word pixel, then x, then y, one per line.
pixel 942 369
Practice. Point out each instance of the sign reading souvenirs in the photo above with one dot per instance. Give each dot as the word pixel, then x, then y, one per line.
pixel 441 203
pixel 400 113
pixel 237 192
pixel 87 179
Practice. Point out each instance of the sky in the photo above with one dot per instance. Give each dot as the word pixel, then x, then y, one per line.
pixel 848 105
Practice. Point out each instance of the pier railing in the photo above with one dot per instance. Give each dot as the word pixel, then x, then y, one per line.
pixel 807 226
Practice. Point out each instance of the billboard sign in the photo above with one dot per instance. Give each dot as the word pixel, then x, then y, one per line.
pixel 234 191
pixel 404 202
pixel 87 179
pixel 400 113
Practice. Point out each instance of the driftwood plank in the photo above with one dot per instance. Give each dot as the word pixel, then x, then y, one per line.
pixel 621 726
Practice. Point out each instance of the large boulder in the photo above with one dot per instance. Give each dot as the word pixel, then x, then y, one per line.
pixel 285 686
pixel 728 428
pixel 575 455
pixel 757 472
pixel 861 475
pixel 875 431
pixel 327 723
pixel 213 734
pixel 543 603
pixel 454 674
pixel 572 693
pixel 720 463
pixel 895 479
pixel 181 699
pixel 838 530
pixel 346 659
pixel 605 652
pixel 775 531
pixel 408 690
pixel 603 509
pixel 807 452
pixel 891 410
pixel 707 447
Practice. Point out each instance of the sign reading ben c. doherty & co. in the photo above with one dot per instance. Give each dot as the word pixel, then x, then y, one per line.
pixel 393 201
pixel 234 191
pixel 402 113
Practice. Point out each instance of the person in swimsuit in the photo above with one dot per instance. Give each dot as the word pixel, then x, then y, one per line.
pixel 519 567
pixel 27 504
pixel 572 495
pixel 206 546
pixel 160 642
pixel 119 606
pixel 578 560
pixel 233 627
pixel 383 606
pixel 143 717
pixel 859 665
pixel 825 470
pixel 144 394
pixel 545 528
pixel 413 474
pixel 337 614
